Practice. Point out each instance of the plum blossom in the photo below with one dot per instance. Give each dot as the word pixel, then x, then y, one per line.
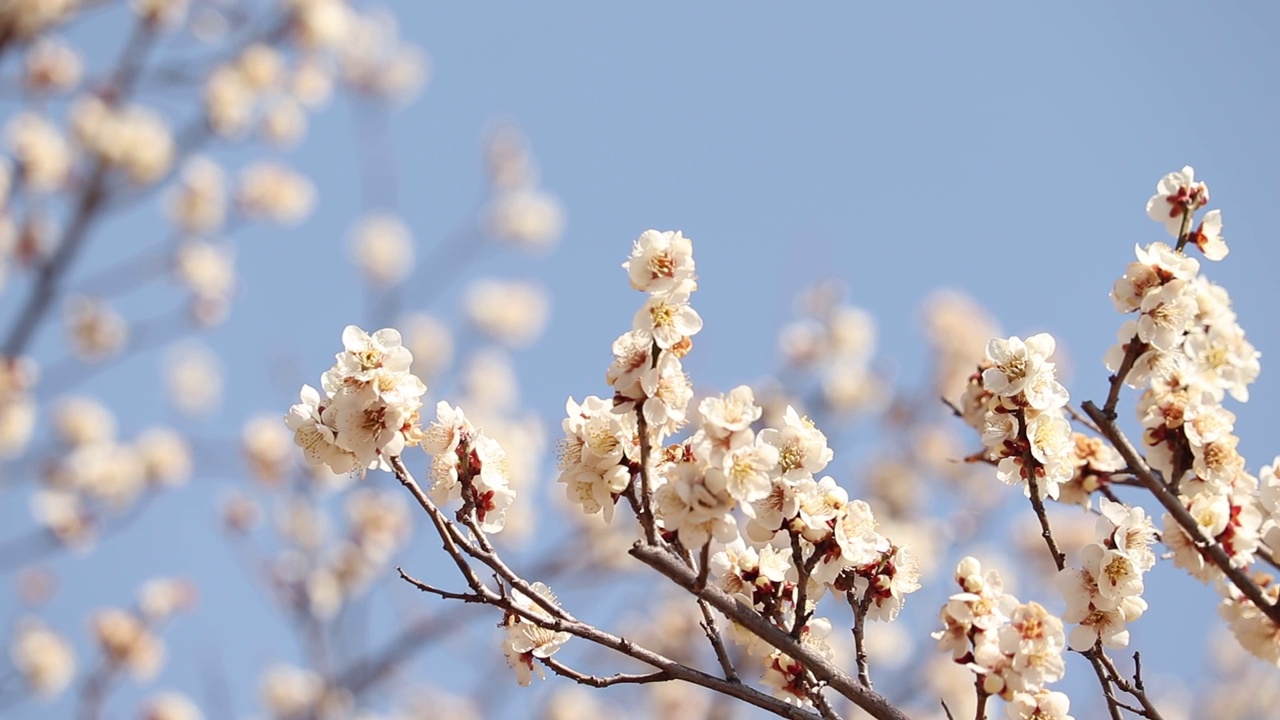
pixel 1177 195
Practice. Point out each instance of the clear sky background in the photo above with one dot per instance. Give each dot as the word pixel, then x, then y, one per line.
pixel 1003 148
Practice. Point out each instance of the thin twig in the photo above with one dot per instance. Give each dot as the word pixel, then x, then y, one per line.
pixel 860 608
pixel 1113 707
pixel 1133 350
pixel 446 594
pixel 597 681
pixel 710 627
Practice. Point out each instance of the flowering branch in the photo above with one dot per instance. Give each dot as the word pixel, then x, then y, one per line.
pixel 1179 513
pixel 674 569
pixel 561 621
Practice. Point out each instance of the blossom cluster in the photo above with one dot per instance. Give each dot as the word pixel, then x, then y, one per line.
pixel 803 535
pixel 1014 648
pixel 527 640
pixel 1187 352
pixel 369 411
pixel 92 467
pixel 469 466
pixel 1105 594
pixel 1018 405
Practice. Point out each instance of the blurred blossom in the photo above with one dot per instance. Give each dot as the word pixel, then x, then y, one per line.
pixel 302 524
pixel 375 61
pixel 268 448
pixel 383 249
pixel 802 342
pixel 851 333
pixel 17 409
pixel 853 388
pixel 324 479
pixel 898 487
pixel 678 701
pixel 162 598
pixel 576 703
pixel 45 660
pixel 127 641
pixel 288 691
pixel 160 14
pixel 311 83
pixel 821 298
pixel 508 162
pixel 324 594
pixel 239 514
pixel 35 238
pixel 320 24
pixel 165 456
pixel 958 328
pixel 269 191
pixel 6 187
pixel 36 585
pixel 208 270
pixel 261 67
pixel 489 381
pixel 511 312
pixel 170 706
pixel 27 18
pixel 63 514
pixel 41 152
pixel 526 218
pixel 194 378
pixel 228 101
pixel 284 122
pixel 431 342
pixel 97 331
pixel 83 421
pixel 433 703
pixel 197 202
pixel 208 25
pixel 134 139
pixel 889 643
pixel 52 65
pixel 379 521
pixel 106 471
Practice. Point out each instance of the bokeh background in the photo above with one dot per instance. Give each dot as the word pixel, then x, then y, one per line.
pixel 1002 148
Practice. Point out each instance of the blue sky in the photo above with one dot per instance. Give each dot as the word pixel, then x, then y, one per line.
pixel 1002 148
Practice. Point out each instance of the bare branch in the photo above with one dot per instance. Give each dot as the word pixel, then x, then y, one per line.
pixel 446 594
pixel 597 681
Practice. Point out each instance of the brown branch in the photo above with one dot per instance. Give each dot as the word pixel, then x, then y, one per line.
pixel 820 702
pixel 980 713
pixel 673 568
pixel 1113 706
pixel 1132 352
pixel 1142 472
pixel 1136 688
pixel 644 510
pixel 712 630
pixel 1029 466
pixel 860 608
